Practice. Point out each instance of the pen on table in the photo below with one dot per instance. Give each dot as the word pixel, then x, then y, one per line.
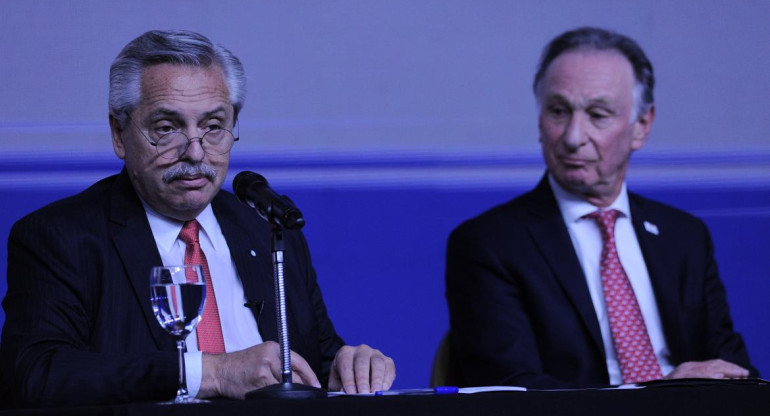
pixel 405 392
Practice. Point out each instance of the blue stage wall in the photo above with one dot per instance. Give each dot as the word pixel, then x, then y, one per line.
pixel 379 252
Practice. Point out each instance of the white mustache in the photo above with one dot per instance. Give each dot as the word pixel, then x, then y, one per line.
pixel 187 169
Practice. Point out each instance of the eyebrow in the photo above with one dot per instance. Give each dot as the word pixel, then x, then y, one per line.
pixel 171 113
pixel 213 112
pixel 561 99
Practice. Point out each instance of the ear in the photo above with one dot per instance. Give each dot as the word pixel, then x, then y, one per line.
pixel 117 137
pixel 642 127
pixel 539 122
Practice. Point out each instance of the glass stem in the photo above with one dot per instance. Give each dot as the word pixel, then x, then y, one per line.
pixel 181 393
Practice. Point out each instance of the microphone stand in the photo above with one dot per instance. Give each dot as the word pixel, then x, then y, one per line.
pixel 285 389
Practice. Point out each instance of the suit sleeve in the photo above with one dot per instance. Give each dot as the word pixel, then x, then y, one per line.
pixel 328 341
pixel 720 338
pixel 48 354
pixel 493 335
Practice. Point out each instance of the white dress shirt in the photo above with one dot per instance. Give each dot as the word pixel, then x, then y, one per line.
pixel 239 327
pixel 587 241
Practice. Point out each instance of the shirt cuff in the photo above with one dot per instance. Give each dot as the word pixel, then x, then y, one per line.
pixel 193 364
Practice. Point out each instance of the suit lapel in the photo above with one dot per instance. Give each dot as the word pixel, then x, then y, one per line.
pixel 251 254
pixel 653 243
pixel 136 247
pixel 550 234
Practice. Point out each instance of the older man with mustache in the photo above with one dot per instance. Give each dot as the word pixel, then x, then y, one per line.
pixel 79 326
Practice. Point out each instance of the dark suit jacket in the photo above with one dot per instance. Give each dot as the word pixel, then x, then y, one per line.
pixel 79 326
pixel 520 310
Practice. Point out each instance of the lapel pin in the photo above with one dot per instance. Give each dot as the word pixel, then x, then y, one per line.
pixel 651 228
pixel 254 253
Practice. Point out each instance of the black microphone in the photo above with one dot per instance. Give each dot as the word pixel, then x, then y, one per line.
pixel 252 189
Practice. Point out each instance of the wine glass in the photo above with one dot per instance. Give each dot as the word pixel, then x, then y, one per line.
pixel 178 294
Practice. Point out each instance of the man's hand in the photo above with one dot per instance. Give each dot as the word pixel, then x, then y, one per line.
pixel 237 373
pixel 361 369
pixel 708 369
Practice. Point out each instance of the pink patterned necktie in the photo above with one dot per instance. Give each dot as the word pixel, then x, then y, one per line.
pixel 209 328
pixel 637 359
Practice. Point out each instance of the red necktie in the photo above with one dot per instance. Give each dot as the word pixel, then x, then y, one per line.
pixel 629 333
pixel 209 328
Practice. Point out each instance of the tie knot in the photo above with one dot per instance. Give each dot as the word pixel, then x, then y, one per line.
pixel 189 233
pixel 605 220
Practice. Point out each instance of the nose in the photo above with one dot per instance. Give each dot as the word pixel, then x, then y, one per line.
pixel 194 151
pixel 575 133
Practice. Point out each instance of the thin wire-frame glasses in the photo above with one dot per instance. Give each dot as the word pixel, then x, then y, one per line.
pixel 174 144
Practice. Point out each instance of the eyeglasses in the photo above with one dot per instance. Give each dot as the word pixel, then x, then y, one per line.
pixel 173 145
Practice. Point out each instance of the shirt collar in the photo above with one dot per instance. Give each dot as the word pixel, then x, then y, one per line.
pixel 573 208
pixel 166 230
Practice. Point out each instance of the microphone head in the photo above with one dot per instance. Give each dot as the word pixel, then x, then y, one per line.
pixel 243 181
pixel 253 190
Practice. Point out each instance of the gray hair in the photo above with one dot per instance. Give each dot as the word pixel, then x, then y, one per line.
pixel 602 39
pixel 174 47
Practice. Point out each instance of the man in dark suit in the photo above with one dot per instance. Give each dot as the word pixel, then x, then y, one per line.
pixel 530 283
pixel 79 326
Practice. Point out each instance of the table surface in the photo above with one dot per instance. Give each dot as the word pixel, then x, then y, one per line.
pixel 658 401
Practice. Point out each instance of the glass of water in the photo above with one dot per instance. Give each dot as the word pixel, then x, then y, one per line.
pixel 178 294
